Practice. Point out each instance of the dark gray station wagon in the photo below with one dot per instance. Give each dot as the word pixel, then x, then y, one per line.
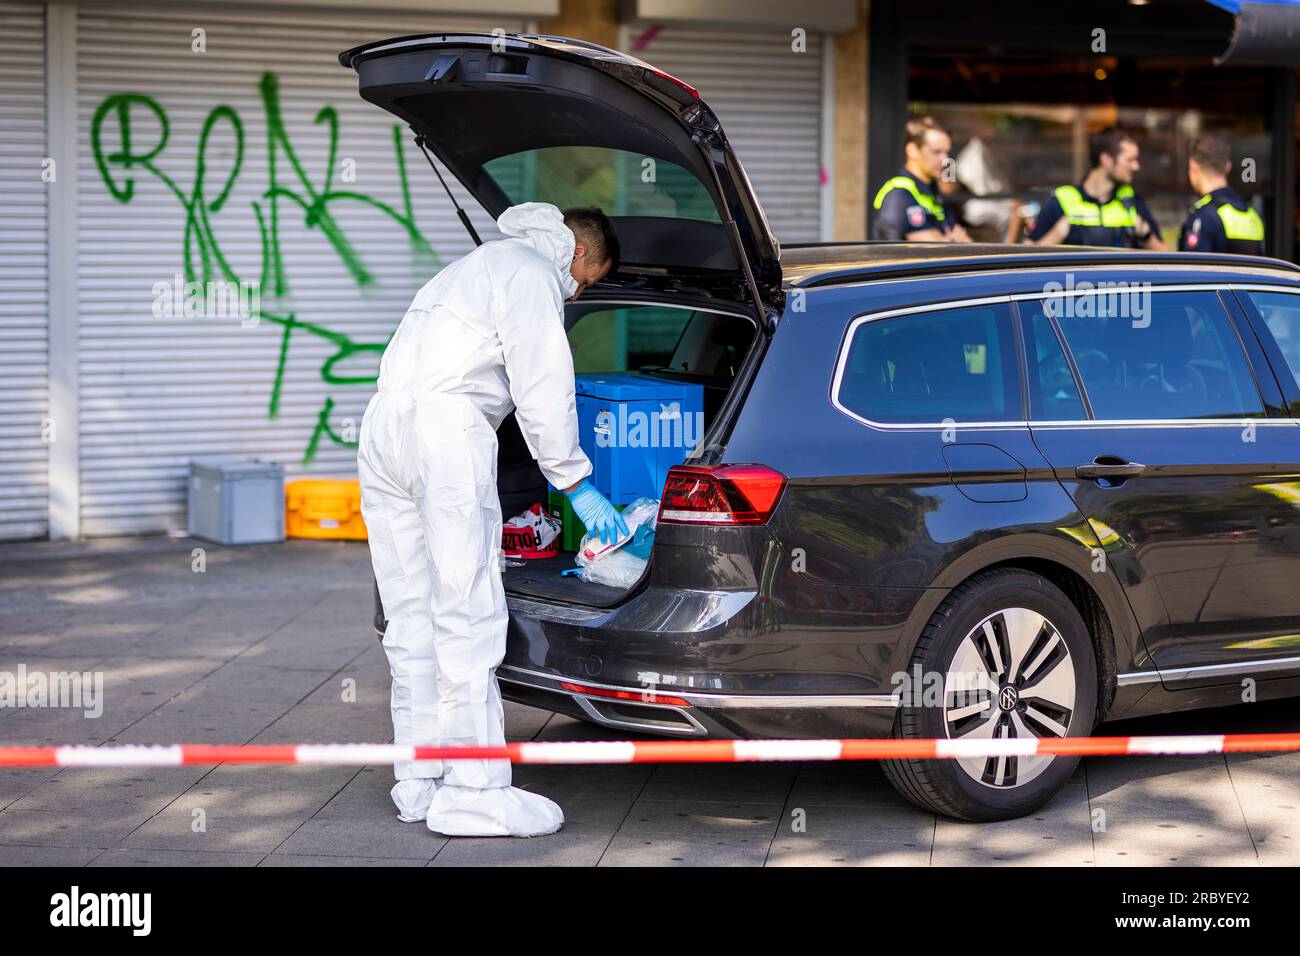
pixel 944 491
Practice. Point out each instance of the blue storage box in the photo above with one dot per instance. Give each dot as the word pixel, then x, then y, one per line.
pixel 634 428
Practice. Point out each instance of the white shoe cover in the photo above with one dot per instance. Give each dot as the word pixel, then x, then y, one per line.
pixel 413 798
pixel 500 811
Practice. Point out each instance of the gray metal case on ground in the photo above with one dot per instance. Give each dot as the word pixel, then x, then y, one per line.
pixel 236 500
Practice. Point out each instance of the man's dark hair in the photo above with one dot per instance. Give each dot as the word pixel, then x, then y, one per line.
pixel 594 230
pixel 916 129
pixel 1107 141
pixel 1212 153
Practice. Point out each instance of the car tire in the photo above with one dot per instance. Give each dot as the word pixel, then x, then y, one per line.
pixel 1020 630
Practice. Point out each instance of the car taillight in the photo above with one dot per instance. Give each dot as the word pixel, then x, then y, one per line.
pixel 728 494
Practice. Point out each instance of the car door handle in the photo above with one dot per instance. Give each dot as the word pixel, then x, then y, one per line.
pixel 1109 466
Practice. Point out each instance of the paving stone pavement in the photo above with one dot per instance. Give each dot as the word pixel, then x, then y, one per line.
pixel 272 644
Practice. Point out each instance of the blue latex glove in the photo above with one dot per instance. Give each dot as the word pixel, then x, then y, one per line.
pixel 595 512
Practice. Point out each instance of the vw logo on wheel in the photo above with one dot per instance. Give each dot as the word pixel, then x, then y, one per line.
pixel 1008 698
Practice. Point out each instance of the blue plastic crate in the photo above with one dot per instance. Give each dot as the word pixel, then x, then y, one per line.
pixel 634 428
pixel 236 500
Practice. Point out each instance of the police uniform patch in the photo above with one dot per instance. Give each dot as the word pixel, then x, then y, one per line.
pixel 1194 236
pixel 915 216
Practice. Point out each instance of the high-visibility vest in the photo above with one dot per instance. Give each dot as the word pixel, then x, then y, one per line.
pixel 1084 212
pixel 926 202
pixel 1244 225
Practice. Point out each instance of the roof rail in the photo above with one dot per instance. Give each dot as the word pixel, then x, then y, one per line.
pixel 865 272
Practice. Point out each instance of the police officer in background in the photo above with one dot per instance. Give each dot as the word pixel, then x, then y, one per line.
pixel 910 206
pixel 1103 210
pixel 1220 221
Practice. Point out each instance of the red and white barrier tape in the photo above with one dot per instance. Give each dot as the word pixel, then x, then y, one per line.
pixel 651 751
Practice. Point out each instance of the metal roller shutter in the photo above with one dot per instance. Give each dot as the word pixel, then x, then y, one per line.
pixel 24 404
pixel 158 391
pixel 769 99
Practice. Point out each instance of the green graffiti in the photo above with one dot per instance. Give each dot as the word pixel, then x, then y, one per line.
pixel 289 185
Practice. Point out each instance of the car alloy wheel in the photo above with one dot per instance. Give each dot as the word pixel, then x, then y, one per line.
pixel 1011 677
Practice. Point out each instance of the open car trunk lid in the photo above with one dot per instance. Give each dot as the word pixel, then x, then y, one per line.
pixel 476 99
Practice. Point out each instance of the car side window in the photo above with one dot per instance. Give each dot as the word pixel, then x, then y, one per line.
pixel 1148 354
pixel 1053 392
pixel 954 364
pixel 1281 313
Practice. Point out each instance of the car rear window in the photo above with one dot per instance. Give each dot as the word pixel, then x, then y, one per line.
pixel 619 182
pixel 1161 355
pixel 946 365
pixel 649 338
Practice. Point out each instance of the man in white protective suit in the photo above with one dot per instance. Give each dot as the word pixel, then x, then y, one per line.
pixel 484 335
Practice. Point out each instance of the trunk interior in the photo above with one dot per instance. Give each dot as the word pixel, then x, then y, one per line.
pixel 669 342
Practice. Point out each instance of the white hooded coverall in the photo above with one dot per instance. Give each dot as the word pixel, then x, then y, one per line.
pixel 484 335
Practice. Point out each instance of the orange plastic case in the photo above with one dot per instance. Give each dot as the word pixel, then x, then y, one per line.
pixel 323 508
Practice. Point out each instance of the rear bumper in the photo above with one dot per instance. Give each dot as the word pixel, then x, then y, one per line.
pixel 742 667
pixel 702 715
pixel 615 666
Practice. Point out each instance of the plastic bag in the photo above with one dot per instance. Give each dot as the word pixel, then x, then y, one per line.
pixel 642 511
pixel 617 570
pixel 613 566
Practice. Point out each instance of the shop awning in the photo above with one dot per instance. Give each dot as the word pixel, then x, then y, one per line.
pixel 1266 33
